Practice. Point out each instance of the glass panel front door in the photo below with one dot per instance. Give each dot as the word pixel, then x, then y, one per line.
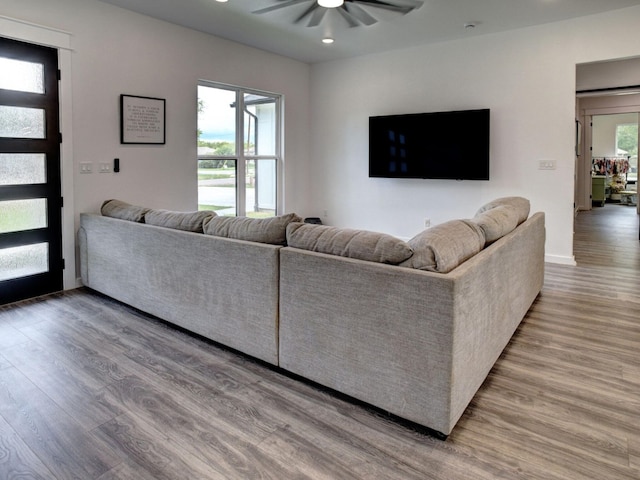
pixel 23 76
pixel 30 204
pixel 22 168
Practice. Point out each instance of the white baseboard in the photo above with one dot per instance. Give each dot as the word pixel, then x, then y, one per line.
pixel 562 260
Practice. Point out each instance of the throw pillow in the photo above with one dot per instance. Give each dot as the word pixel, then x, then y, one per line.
pixel 189 221
pixel 497 222
pixel 263 230
pixel 520 204
pixel 345 242
pixel 123 210
pixel 443 247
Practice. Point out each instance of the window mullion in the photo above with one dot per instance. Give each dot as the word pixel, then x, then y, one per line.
pixel 241 167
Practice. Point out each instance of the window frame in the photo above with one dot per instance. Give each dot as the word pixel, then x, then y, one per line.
pixel 632 176
pixel 241 158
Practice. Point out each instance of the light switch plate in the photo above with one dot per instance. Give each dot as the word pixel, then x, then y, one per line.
pixel 547 165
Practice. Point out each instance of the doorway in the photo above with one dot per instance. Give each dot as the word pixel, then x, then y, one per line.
pixel 612 155
pixel 31 261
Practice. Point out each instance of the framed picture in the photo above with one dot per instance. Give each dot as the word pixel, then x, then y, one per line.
pixel 142 120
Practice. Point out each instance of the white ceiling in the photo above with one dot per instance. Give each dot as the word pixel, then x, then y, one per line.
pixel 434 21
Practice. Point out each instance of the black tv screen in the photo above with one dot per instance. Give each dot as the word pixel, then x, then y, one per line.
pixel 440 145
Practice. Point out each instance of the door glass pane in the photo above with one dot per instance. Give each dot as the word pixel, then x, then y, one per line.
pixel 259 125
pixel 17 262
pixel 217 186
pixel 216 122
pixel 21 76
pixel 18 215
pixel 20 122
pixel 261 188
pixel 22 168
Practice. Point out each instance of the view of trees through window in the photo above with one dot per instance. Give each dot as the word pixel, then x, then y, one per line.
pixel 231 180
pixel 627 145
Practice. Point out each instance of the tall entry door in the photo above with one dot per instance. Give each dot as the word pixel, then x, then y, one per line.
pixel 31 261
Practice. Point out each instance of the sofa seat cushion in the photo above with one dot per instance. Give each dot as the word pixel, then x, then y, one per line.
pixel 520 204
pixel 271 230
pixel 123 210
pixel 443 247
pixel 346 242
pixel 189 221
pixel 497 222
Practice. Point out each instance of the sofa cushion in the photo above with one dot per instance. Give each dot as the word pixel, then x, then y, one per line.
pixel 189 221
pixel 497 222
pixel 443 247
pixel 345 242
pixel 521 205
pixel 263 230
pixel 123 210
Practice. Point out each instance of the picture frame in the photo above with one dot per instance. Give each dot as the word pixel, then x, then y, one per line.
pixel 142 120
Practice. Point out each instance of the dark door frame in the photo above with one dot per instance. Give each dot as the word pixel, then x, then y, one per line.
pixel 52 280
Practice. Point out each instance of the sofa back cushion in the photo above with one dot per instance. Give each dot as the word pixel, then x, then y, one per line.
pixel 497 222
pixel 521 205
pixel 501 216
pixel 271 230
pixel 123 210
pixel 189 221
pixel 443 247
pixel 346 242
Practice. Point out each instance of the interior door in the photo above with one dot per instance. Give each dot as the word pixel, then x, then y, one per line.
pixel 31 261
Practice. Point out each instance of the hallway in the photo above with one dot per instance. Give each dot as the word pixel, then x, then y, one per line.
pixel 607 237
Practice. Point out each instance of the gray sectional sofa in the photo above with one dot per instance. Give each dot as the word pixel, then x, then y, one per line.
pixel 411 327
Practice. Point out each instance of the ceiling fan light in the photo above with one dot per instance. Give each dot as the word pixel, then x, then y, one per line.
pixel 330 3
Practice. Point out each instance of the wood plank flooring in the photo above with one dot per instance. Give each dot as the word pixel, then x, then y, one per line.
pixel 91 389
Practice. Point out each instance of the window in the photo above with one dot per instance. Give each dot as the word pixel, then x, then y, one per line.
pixel 627 145
pixel 239 150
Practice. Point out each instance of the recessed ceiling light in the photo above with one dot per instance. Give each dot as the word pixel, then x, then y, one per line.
pixel 327 40
pixel 222 1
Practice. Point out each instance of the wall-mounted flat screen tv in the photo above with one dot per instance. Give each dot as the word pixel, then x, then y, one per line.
pixel 440 145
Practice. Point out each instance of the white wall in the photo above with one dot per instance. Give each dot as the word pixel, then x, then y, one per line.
pixel 526 77
pixel 608 74
pixel 115 51
pixel 604 132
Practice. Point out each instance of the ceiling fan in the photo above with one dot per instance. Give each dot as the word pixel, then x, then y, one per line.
pixel 350 10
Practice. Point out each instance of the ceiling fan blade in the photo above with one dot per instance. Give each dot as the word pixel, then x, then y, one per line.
pixel 316 17
pixel 403 9
pixel 360 14
pixel 278 6
pixel 314 6
pixel 347 16
pixel 411 3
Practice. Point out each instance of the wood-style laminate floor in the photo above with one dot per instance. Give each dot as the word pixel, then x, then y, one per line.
pixel 90 389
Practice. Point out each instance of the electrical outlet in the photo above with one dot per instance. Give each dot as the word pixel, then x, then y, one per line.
pixel 86 167
pixel 427 222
